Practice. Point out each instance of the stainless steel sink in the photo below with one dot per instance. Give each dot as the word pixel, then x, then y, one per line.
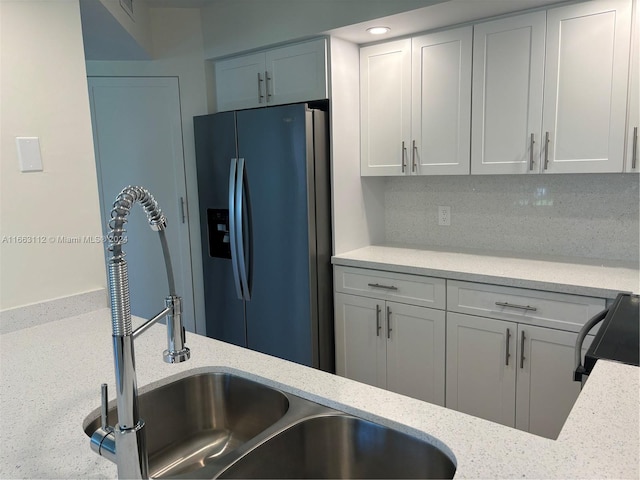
pixel 216 425
pixel 342 446
pixel 197 419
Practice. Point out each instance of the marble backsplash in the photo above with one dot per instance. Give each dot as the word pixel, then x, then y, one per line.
pixel 593 216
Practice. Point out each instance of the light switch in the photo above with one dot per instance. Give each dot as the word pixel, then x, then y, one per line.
pixel 29 154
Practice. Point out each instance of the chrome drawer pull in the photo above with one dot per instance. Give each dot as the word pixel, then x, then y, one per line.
pixel 513 305
pixel 387 287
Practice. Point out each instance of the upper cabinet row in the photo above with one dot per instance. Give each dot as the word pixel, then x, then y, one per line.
pixel 288 74
pixel 543 92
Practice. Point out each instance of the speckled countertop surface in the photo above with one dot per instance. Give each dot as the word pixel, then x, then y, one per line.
pixel 51 375
pixel 590 278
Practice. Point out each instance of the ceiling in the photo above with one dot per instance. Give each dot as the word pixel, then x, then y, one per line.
pixel 447 13
pixel 443 13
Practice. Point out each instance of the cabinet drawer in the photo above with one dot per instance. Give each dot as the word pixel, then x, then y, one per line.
pixel 548 309
pixel 399 287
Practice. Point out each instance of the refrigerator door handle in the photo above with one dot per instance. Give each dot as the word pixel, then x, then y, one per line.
pixel 240 220
pixel 233 173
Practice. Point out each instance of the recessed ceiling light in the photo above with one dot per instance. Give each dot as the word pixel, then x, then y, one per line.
pixel 378 30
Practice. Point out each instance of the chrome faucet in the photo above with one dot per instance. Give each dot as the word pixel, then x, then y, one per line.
pixel 125 444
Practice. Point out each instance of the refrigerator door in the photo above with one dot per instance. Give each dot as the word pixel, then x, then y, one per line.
pixel 215 140
pixel 278 157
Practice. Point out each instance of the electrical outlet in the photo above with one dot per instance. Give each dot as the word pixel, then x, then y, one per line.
pixel 444 216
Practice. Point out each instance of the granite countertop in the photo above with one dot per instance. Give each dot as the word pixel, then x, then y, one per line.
pixel 562 275
pixel 51 375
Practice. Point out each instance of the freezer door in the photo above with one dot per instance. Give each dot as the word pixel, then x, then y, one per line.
pixel 273 143
pixel 215 140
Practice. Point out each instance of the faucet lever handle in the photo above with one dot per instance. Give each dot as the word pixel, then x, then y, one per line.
pixel 104 393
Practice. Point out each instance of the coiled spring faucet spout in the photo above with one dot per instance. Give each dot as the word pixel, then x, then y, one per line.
pixel 125 443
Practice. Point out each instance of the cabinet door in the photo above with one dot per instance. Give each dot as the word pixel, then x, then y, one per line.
pixel 545 390
pixel 441 103
pixel 632 154
pixel 416 351
pixel 240 82
pixel 385 108
pixel 297 73
pixel 585 92
pixel 481 371
pixel 508 76
pixel 360 339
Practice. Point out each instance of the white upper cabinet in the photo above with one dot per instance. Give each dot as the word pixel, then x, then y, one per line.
pixel 585 92
pixel 239 82
pixel 508 76
pixel 544 92
pixel 632 155
pixel 415 105
pixel 296 73
pixel 289 74
pixel 441 103
pixel 385 107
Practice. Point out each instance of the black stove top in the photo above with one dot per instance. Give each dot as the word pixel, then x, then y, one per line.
pixel 619 337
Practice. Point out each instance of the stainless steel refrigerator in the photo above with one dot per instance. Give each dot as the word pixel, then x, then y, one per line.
pixel 263 186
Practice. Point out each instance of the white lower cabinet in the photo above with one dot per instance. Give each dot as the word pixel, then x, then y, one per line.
pixel 514 374
pixel 391 345
pixel 505 354
pixel 481 377
pixel 545 390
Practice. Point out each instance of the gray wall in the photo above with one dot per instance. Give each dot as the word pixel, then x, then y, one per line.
pixel 589 215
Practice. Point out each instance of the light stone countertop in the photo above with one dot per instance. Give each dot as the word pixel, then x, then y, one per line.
pixel 562 275
pixel 51 375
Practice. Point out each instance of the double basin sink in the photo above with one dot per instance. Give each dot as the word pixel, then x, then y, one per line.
pixel 219 425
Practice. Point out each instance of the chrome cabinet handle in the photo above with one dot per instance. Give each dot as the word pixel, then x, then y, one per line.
pixel 513 305
pixel 404 152
pixel 531 151
pixel 183 213
pixel 413 157
pixel 260 95
pixel 378 325
pixel 386 287
pixel 522 350
pixel 546 150
pixel 506 360
pixel 389 322
pixel 634 156
pixel 267 78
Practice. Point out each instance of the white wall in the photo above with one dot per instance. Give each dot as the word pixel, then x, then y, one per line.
pixel 232 26
pixel 44 94
pixel 177 51
pixel 358 209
